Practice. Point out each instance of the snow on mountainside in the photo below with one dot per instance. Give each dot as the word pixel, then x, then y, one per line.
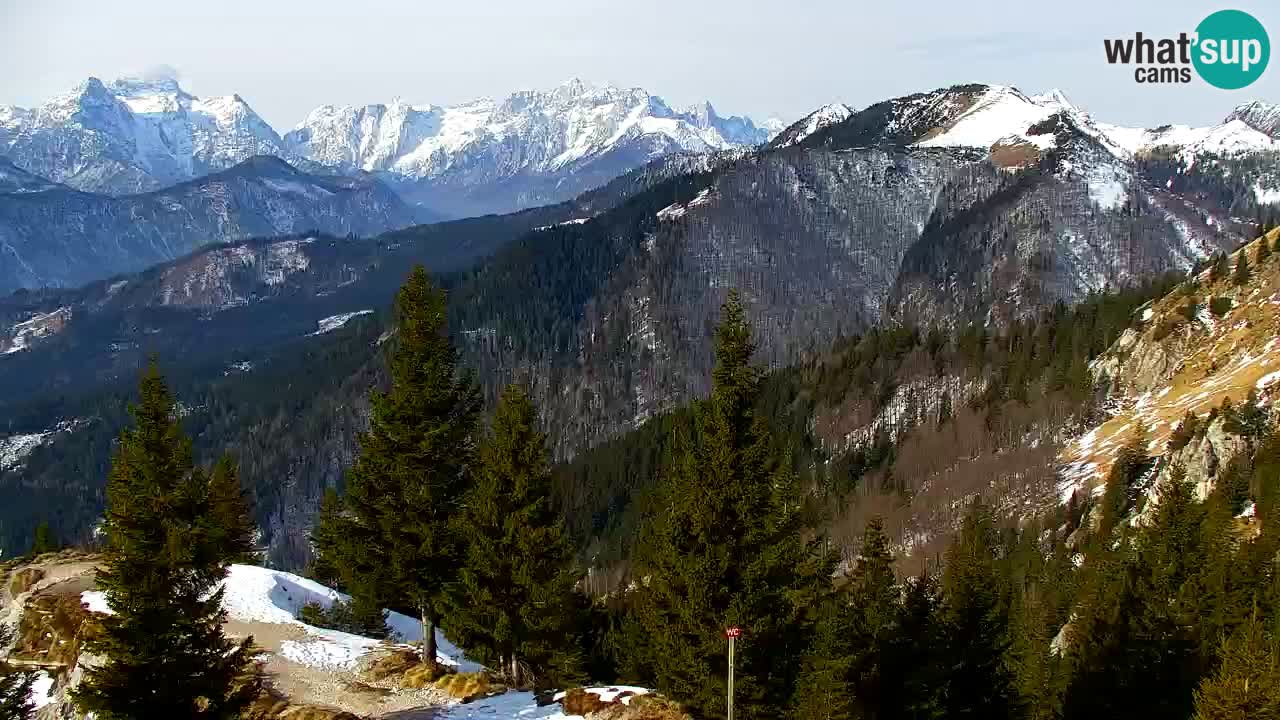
pixel 531 148
pixel 552 130
pixel 132 136
pixel 813 122
pixel 1261 116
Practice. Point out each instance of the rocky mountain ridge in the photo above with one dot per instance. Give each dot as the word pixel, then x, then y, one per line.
pixel 54 236
pixel 531 148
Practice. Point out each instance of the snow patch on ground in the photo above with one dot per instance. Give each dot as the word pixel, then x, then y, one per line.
pixel 257 594
pixel 333 322
pixel 37 326
pixel 998 115
pixel 41 690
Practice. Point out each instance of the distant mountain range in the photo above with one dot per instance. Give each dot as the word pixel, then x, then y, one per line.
pixel 531 148
pixel 54 236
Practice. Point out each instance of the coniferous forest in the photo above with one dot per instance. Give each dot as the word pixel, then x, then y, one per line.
pixel 455 514
pixel 859 419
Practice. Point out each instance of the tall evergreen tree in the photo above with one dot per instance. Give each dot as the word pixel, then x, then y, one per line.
pixel 1246 685
pixel 915 671
pixel 405 491
pixel 518 599
pixel 165 654
pixel 1138 655
pixel 723 547
pixel 15 686
pixel 1242 272
pixel 873 594
pixel 230 521
pixel 976 622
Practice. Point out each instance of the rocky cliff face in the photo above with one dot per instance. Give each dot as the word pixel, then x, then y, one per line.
pixel 1214 341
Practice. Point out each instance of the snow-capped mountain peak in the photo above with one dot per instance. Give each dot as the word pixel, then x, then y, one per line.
pixel 824 116
pixel 1261 116
pixel 575 127
pixel 132 135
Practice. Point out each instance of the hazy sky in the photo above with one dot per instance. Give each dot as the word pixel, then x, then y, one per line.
pixel 760 58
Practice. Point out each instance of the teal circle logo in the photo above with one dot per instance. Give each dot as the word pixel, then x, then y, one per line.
pixel 1232 49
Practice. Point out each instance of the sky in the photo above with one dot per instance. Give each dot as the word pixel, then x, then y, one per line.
pixel 756 57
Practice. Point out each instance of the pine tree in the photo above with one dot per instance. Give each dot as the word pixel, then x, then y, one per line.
pixel 342 555
pixel 165 654
pixel 1242 273
pixel 405 490
pixel 1246 685
pixel 976 621
pixel 722 547
pixel 1264 250
pixel 517 602
pixel 15 687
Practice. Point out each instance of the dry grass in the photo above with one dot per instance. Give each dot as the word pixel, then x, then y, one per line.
pixel 643 707
pixel 52 629
pixel 468 686
pixel 391 663
pixel 1215 359
pixel 1019 154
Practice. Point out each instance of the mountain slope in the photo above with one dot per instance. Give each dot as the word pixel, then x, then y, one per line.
pixel 606 305
pixel 64 237
pixel 132 136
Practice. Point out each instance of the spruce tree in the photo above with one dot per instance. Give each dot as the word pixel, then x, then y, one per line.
pixel 164 652
pixel 824 688
pixel 874 595
pixel 721 546
pixel 517 608
pixel 1246 685
pixel 1220 268
pixel 915 670
pixel 230 522
pixel 1138 654
pixel 405 490
pixel 976 622
pixel 15 686
pixel 1264 250
pixel 343 555
pixel 1242 272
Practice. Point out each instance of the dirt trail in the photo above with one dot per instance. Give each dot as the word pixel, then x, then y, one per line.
pixel 339 689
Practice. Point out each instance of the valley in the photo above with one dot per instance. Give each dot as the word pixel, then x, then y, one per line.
pixel 959 404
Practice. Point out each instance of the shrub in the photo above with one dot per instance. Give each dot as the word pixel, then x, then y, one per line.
pixel 1220 306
